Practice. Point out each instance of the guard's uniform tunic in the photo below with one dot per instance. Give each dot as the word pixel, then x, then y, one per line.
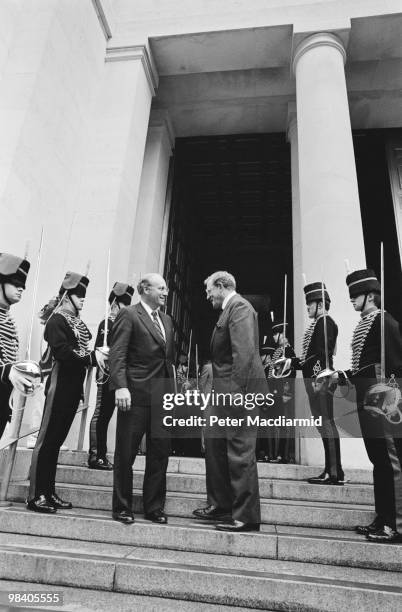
pixel 105 401
pixel 382 440
pixel 8 356
pixel 68 339
pixel 311 363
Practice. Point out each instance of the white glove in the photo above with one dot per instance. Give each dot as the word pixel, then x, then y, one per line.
pixel 102 360
pixel 20 381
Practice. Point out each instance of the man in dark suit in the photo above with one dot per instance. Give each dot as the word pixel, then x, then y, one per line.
pixel 141 357
pixel 237 370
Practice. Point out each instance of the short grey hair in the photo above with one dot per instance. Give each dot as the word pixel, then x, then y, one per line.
pixel 146 281
pixel 223 278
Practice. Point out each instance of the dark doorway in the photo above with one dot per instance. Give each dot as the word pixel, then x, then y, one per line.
pixel 377 209
pixel 231 210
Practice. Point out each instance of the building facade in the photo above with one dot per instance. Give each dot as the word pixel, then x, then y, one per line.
pixel 116 114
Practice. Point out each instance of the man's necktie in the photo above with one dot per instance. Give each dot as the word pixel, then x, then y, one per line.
pixel 157 324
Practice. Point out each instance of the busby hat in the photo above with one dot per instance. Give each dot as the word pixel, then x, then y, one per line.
pixel 13 270
pixel 121 292
pixel 313 293
pixel 74 283
pixel 362 282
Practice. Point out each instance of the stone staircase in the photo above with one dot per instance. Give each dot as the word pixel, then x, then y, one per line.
pixel 307 557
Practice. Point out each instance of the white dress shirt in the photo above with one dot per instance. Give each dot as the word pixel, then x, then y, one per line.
pixel 227 298
pixel 149 310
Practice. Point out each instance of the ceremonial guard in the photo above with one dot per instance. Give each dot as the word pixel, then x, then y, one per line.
pixel 68 338
pixel 119 297
pixel 377 396
pixel 13 275
pixel 265 450
pixel 317 350
pixel 281 375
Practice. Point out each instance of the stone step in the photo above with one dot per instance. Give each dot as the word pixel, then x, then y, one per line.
pixel 90 600
pixel 195 483
pixel 257 584
pixel 190 465
pixel 273 511
pixel 320 546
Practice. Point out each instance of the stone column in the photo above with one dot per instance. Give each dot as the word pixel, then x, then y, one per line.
pixel 106 208
pixel 147 236
pixel 107 204
pixel 330 228
pixel 330 219
pixel 298 300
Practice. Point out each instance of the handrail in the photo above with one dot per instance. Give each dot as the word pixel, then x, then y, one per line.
pixel 12 442
pixel 18 407
pixel 30 432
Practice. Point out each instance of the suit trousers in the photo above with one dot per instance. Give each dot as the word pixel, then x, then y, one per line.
pixel 231 472
pixel 131 426
pixel 383 444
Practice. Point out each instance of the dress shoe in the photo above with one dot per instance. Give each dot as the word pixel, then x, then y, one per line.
pixel 57 502
pixel 386 535
pixel 157 516
pixel 319 478
pixel 279 459
pixel 238 526
pixel 212 513
pixel 124 517
pixel 41 504
pixel 326 479
pixel 376 525
pixel 100 463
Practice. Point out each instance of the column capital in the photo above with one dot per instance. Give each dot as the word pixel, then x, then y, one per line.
pixel 160 119
pixel 319 39
pixel 140 53
pixel 291 128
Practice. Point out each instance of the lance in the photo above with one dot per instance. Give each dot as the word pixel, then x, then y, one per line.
pixel 382 315
pixel 196 364
pixel 327 371
pixel 284 314
pixel 174 378
pixel 34 296
pixel 281 367
pixel 105 348
pixel 189 355
pixel 325 326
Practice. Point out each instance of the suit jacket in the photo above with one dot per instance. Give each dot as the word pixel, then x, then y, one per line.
pixel 236 361
pixel 138 355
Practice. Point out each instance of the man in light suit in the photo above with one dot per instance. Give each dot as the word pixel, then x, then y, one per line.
pixel 237 369
pixel 141 357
